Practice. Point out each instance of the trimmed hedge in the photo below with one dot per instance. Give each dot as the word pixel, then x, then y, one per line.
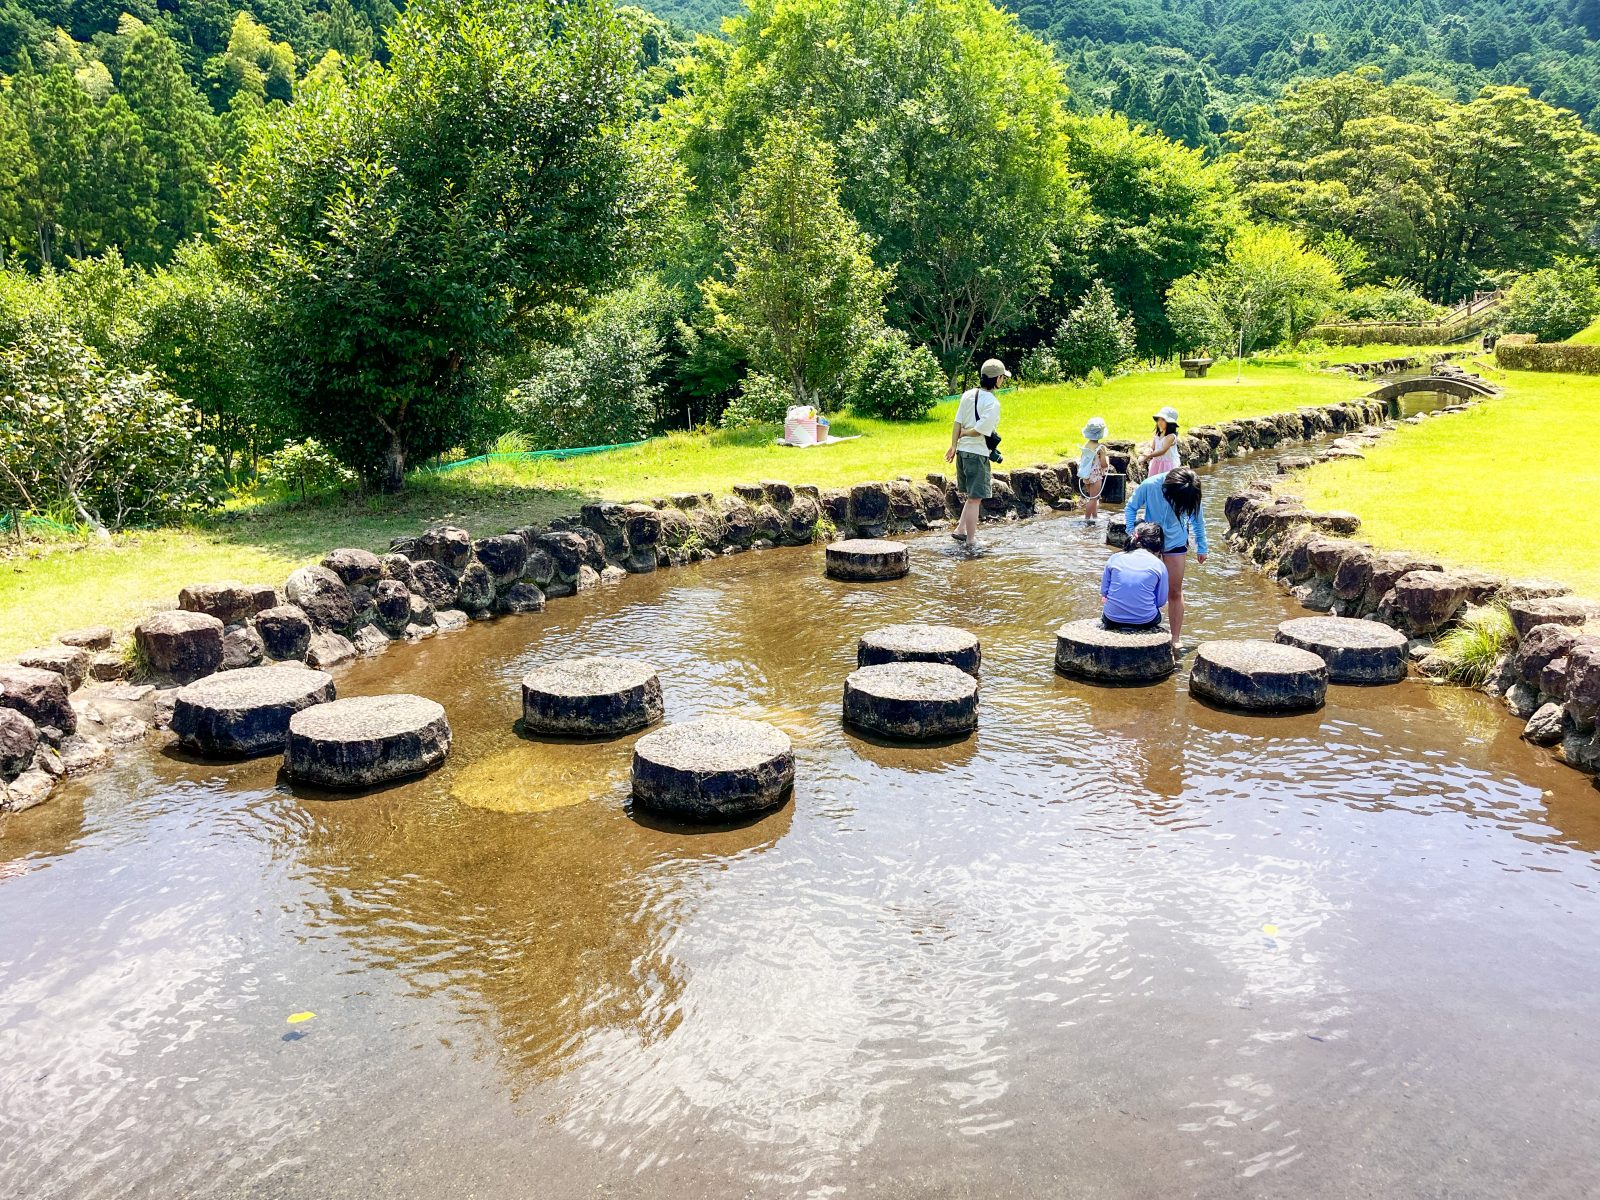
pixel 1429 333
pixel 1372 335
pixel 1549 356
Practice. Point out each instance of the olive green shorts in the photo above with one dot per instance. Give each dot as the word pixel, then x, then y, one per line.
pixel 973 478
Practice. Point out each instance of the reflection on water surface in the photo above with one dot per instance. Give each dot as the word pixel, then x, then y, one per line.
pixel 1116 938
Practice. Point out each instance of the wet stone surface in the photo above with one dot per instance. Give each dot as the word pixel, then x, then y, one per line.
pixel 242 714
pixel 1089 651
pixel 864 560
pixel 915 701
pixel 596 696
pixel 1356 652
pixel 715 769
pixel 366 741
pixel 921 643
pixel 1258 676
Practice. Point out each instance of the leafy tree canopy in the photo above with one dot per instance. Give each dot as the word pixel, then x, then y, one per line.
pixel 399 223
pixel 948 125
pixel 1433 191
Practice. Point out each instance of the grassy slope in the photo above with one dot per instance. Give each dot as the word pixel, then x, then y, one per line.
pixel 53 588
pixel 1508 487
pixel 1588 336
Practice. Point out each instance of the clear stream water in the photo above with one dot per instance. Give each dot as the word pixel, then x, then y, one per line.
pixel 1117 944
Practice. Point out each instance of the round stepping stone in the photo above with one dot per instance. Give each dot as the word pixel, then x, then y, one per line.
pixel 242 714
pixel 865 560
pixel 1258 676
pixel 714 769
pixel 366 741
pixel 916 701
pixel 1088 650
pixel 1355 651
pixel 921 643
pixel 591 697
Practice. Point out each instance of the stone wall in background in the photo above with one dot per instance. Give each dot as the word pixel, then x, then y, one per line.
pixel 64 707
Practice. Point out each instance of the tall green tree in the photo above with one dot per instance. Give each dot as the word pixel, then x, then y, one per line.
pixel 175 125
pixel 799 294
pixel 1269 290
pixel 1159 212
pixel 947 120
pixel 400 223
pixel 19 180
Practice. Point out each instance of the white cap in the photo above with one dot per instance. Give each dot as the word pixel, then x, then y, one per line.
pixel 994 369
pixel 1168 414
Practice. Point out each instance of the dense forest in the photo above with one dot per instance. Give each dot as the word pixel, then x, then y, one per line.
pixel 315 243
pixel 1184 66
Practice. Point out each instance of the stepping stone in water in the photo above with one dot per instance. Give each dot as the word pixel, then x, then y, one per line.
pixel 1258 676
pixel 366 741
pixel 916 701
pixel 921 643
pixel 1359 652
pixel 866 560
pixel 715 769
pixel 1117 531
pixel 592 696
pixel 1088 650
pixel 243 714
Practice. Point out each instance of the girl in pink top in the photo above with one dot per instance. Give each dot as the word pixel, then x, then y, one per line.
pixel 1161 452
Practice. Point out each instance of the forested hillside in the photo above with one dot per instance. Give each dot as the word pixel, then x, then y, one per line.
pixel 201 30
pixel 1185 66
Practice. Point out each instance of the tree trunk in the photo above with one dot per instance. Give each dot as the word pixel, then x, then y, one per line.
pixel 394 465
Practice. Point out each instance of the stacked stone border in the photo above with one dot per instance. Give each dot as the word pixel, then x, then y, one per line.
pixel 64 706
pixel 1550 678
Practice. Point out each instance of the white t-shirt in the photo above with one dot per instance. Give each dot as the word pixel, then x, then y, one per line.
pixel 986 420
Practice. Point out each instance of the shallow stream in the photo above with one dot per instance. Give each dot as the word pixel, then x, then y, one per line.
pixel 1117 944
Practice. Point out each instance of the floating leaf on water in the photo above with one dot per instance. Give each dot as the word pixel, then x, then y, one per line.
pixel 300 1017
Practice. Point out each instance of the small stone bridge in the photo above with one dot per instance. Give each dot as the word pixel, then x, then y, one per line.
pixel 1457 384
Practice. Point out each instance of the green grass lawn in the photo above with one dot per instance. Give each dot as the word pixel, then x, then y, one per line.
pixel 50 587
pixel 1508 487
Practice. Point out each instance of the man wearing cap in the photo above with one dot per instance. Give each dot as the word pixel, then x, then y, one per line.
pixel 1160 453
pixel 977 417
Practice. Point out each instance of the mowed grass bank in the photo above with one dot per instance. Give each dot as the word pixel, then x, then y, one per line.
pixel 1509 486
pixel 55 586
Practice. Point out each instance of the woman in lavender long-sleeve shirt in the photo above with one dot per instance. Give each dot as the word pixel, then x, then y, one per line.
pixel 1172 501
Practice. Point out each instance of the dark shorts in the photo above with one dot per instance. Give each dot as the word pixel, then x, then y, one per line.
pixel 973 476
pixel 1118 626
pixel 1184 549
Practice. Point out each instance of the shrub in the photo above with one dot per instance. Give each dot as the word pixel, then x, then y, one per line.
pixel 1040 365
pixel 895 380
pixel 761 400
pixel 1548 356
pixel 107 447
pixel 1553 303
pixel 601 389
pixel 1096 333
pixel 305 467
pixel 1392 304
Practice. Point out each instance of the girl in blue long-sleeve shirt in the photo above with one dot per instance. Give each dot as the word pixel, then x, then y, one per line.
pixel 1172 501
